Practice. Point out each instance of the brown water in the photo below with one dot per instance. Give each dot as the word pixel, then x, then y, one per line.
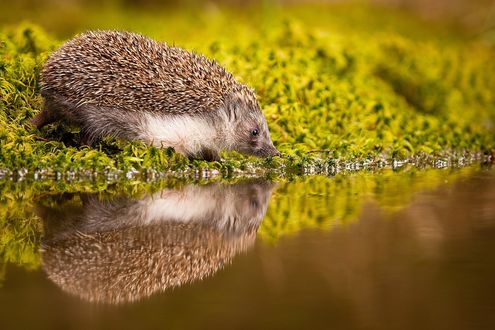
pixel 400 251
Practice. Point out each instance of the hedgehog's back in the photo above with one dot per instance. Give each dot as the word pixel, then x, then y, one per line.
pixel 129 264
pixel 132 72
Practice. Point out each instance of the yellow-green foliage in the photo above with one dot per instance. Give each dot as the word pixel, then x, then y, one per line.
pixel 352 93
pixel 325 203
pixel 20 232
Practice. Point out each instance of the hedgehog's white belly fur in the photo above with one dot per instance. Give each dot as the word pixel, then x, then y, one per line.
pixel 189 204
pixel 186 134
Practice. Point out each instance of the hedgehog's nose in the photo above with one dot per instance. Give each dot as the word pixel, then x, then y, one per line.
pixel 274 152
pixel 267 150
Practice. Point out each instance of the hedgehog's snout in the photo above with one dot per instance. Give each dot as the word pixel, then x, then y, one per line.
pixel 267 150
pixel 276 153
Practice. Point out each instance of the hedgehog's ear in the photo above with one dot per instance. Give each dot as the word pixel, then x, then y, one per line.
pixel 233 106
pixel 232 113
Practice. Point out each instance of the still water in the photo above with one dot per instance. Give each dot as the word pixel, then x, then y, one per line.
pixel 388 250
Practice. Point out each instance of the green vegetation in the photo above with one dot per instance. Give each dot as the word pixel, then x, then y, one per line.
pixel 20 232
pixel 323 203
pixel 330 90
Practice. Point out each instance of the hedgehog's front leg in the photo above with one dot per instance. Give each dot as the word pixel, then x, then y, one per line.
pixel 207 154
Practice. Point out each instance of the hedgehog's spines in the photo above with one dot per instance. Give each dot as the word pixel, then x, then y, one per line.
pixel 182 81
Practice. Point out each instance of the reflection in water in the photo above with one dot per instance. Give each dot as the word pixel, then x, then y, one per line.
pixel 123 250
pixel 429 265
pixel 307 202
pixel 399 250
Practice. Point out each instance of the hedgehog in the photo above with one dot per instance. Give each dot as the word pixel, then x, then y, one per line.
pixel 124 249
pixel 129 264
pixel 127 86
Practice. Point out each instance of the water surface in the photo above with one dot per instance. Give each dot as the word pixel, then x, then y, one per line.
pixel 389 250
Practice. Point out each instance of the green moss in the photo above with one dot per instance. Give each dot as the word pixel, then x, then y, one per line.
pixel 20 233
pixel 327 91
pixel 327 203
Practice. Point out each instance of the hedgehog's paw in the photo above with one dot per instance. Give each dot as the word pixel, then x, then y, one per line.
pixel 206 154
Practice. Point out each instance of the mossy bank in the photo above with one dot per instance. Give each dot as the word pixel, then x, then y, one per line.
pixel 330 93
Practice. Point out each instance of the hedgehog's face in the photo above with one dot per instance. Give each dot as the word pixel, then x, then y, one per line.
pixel 252 200
pixel 249 128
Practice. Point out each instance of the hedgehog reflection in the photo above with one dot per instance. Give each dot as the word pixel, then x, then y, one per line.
pixel 124 250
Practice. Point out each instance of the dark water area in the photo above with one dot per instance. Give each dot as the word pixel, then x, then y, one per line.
pixel 405 250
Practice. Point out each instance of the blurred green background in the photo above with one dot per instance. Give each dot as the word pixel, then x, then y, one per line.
pixel 469 17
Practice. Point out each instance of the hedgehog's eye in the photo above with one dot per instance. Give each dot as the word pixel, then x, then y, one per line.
pixel 255 132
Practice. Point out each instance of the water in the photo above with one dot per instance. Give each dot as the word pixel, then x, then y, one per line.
pixel 389 250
